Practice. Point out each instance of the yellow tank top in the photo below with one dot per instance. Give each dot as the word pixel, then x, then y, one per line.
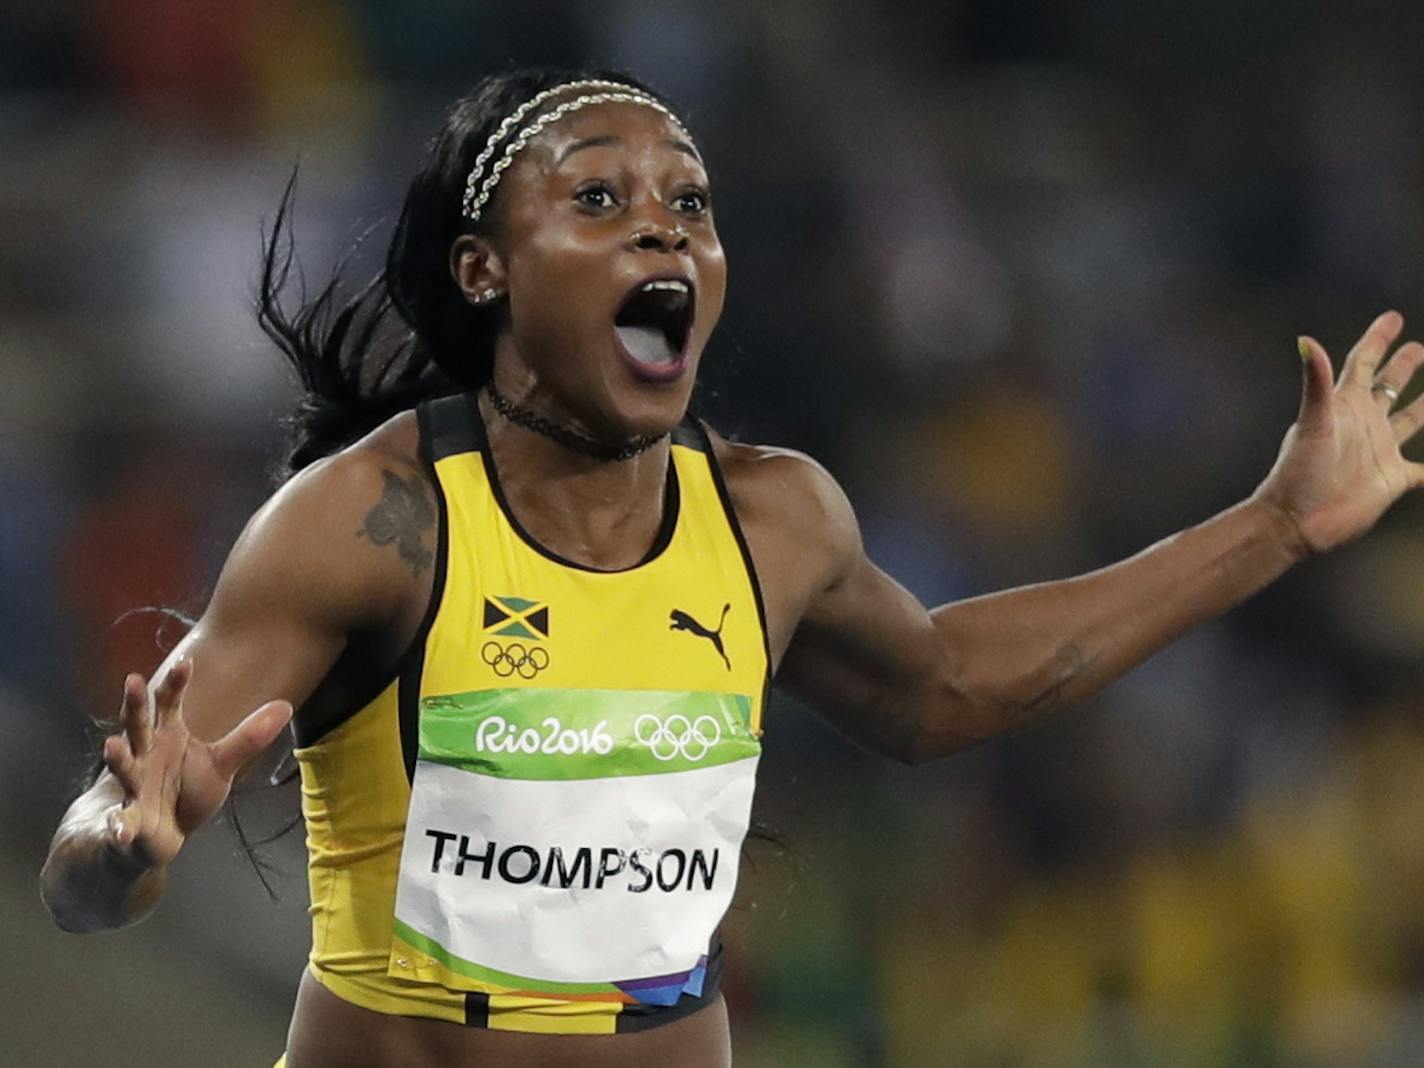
pixel 537 825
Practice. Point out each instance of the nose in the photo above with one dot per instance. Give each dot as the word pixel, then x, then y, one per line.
pixel 657 237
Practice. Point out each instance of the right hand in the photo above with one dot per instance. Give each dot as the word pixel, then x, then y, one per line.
pixel 172 781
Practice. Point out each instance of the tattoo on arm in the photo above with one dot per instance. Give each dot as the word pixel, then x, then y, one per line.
pixel 400 518
pixel 1070 662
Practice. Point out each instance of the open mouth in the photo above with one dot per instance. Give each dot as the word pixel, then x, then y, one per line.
pixel 654 325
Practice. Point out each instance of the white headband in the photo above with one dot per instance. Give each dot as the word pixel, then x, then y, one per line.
pixel 478 193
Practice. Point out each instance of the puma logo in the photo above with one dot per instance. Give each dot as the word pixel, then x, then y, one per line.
pixel 680 620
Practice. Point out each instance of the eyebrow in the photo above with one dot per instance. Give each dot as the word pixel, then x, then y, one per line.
pixel 587 142
pixel 685 148
pixel 609 139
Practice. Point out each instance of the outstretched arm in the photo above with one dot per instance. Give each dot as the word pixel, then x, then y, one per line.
pixel 299 581
pixel 918 684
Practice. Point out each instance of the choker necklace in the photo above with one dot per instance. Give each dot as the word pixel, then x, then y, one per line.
pixel 569 439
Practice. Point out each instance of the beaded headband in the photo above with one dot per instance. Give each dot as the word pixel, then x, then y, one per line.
pixel 478 192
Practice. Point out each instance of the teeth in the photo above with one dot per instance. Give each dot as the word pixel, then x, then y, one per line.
pixel 671 284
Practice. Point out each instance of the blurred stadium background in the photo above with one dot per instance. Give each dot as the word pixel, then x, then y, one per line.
pixel 1025 275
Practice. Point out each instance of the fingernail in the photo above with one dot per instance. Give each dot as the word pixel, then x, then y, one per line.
pixel 1303 347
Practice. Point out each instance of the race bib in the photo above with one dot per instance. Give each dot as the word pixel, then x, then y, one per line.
pixel 572 842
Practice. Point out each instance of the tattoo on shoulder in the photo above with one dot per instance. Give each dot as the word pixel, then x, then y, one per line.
pixel 401 518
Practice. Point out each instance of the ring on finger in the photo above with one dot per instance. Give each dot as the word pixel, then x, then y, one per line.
pixel 1389 391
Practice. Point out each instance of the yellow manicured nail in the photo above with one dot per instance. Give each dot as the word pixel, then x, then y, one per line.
pixel 1303 347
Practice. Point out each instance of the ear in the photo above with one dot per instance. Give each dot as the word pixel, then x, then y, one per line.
pixel 478 270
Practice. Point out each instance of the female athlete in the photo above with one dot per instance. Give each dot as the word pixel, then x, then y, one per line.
pixel 526 611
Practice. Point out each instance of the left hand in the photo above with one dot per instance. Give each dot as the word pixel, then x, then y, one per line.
pixel 1340 465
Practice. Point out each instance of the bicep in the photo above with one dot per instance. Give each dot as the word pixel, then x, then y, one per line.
pixel 864 655
pixel 864 651
pixel 245 656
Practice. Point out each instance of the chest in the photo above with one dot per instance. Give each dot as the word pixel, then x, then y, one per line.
pixel 513 615
pixel 512 629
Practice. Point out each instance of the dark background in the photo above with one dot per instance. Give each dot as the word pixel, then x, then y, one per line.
pixel 1026 276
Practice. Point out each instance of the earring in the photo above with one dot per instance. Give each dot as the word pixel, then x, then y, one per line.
pixel 486 296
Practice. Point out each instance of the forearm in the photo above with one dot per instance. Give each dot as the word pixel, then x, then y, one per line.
pixel 88 883
pixel 1014 657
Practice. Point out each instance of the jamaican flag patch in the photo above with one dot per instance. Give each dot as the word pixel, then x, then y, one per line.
pixel 516 617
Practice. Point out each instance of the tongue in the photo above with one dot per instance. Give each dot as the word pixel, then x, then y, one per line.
pixel 646 344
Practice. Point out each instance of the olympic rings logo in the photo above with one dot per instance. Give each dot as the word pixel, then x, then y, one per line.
pixel 677 735
pixel 507 660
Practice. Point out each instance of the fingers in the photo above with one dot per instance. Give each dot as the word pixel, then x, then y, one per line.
pixel 250 737
pixel 124 820
pixel 139 716
pixel 1407 421
pixel 119 759
pixel 1400 369
pixel 124 824
pixel 168 698
pixel 1316 387
pixel 1369 352
pixel 135 720
pixel 1394 380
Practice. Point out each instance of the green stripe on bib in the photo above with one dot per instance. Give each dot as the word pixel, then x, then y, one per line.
pixel 479 972
pixel 544 734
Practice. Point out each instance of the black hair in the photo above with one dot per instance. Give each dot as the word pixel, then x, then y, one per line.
pixel 408 334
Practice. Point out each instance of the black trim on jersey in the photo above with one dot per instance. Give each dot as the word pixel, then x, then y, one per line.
pixel 736 526
pixel 476 1009
pixel 436 427
pixel 672 506
pixel 308 731
pixel 452 431
pixel 688 436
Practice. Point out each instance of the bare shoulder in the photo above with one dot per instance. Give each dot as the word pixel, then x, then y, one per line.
pixel 392 448
pixel 343 486
pixel 790 507
pixel 355 531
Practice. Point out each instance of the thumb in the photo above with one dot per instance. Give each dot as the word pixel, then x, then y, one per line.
pixel 250 737
pixel 1316 387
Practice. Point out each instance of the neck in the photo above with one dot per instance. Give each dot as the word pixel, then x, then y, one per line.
pixel 598 512
pixel 571 438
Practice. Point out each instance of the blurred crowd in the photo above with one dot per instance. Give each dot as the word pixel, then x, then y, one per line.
pixel 1025 276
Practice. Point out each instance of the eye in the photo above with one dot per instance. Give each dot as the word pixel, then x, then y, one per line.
pixel 594 195
pixel 692 201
